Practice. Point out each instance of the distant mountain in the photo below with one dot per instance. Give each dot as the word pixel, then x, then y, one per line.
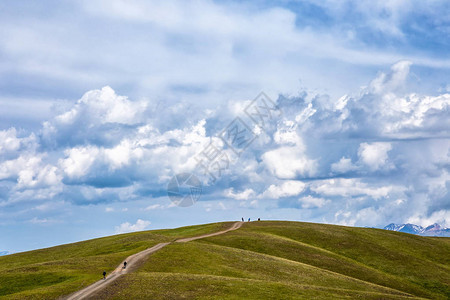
pixel 432 230
pixel 4 253
pixel 394 227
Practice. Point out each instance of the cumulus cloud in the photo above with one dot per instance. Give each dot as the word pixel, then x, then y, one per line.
pixel 374 155
pixel 244 195
pixel 390 82
pixel 30 171
pixel 441 217
pixel 289 160
pixel 322 155
pixel 385 111
pixel 84 156
pixel 128 227
pixel 286 189
pixel 78 161
pixel 343 165
pixel 9 141
pixel 344 187
pixel 100 117
pixel 312 202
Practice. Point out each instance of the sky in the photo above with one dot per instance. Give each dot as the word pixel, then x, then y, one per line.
pixel 102 103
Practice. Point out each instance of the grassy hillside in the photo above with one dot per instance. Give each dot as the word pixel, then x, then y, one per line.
pixel 261 260
pixel 52 272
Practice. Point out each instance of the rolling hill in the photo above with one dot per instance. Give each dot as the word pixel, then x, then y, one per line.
pixel 260 260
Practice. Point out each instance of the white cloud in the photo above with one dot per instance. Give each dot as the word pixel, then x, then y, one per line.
pixel 289 162
pixel 123 153
pixel 144 148
pixel 11 143
pixel 90 116
pixel 343 165
pixel 222 206
pixel 287 135
pixel 342 217
pixel 286 189
pixel 312 202
pixel 344 187
pixel 103 106
pixel 308 112
pixel 254 203
pixel 385 83
pixel 154 206
pixel 442 217
pixel 9 140
pixel 244 195
pixel 386 110
pixel 374 155
pixel 128 227
pixel 42 221
pixel 135 163
pixel 79 161
pixel 416 115
pixel 30 171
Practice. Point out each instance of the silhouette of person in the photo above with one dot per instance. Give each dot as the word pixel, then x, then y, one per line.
pixel 259 219
pixel 242 219
pixel 249 219
pixel 124 264
pixel 104 274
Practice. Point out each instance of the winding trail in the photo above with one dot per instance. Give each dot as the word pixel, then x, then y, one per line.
pixel 136 260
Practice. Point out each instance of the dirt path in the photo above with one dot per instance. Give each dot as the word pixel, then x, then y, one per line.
pixel 134 261
pixel 234 227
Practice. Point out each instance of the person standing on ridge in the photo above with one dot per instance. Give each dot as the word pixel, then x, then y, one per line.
pixel 104 274
pixel 242 219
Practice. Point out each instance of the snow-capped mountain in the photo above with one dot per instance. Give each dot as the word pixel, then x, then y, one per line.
pixel 394 227
pixel 3 253
pixel 434 227
pixel 432 230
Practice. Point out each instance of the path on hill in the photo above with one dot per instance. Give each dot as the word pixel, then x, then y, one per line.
pixel 136 260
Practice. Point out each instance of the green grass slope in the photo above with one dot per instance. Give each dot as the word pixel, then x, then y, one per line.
pixel 261 260
pixel 53 272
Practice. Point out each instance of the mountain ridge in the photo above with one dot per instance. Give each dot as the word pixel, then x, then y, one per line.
pixel 431 230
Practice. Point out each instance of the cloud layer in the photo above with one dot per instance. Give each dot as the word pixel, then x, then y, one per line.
pixel 380 156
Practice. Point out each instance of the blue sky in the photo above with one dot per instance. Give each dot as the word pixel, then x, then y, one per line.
pixel 102 102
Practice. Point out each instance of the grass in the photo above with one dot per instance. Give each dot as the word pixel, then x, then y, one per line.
pixel 57 271
pixel 261 260
pixel 194 286
pixel 412 264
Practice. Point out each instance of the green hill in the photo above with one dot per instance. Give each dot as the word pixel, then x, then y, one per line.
pixel 261 260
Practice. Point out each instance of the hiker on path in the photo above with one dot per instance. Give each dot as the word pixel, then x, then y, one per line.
pixel 104 274
pixel 249 219
pixel 124 264
pixel 242 219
